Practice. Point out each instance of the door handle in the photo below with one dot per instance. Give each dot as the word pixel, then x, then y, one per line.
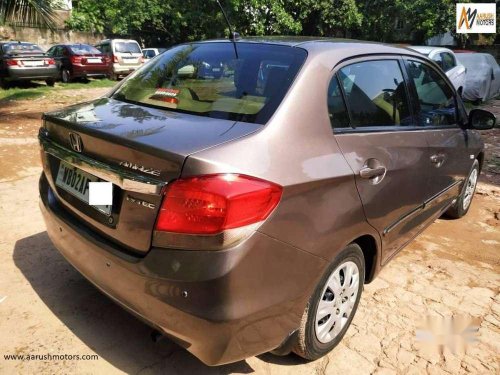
pixel 367 172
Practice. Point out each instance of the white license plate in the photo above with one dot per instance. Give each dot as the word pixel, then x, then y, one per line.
pixel 129 60
pixel 94 61
pixel 32 63
pixel 76 182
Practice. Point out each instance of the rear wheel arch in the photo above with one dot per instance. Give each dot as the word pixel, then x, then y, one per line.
pixel 368 245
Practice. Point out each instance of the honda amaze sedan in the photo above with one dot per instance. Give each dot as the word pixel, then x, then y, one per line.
pixel 257 186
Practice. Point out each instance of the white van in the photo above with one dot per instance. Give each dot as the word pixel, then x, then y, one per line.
pixel 125 56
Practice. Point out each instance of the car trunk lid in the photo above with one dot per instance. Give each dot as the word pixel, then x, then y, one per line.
pixel 133 143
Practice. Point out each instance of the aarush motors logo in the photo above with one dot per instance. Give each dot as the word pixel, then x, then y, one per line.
pixel 476 18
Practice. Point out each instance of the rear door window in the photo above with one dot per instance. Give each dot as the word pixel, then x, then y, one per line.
pixel 375 94
pixel 436 101
pixel 208 79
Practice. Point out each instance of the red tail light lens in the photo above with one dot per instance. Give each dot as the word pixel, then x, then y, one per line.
pixel 213 203
pixel 50 62
pixel 76 59
pixel 115 58
pixel 14 62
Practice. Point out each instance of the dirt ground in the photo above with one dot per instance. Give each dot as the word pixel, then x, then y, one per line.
pixel 46 307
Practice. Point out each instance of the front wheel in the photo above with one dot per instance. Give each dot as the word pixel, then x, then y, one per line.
pixel 331 308
pixel 462 205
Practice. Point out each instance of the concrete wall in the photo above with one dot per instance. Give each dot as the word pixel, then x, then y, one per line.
pixel 45 37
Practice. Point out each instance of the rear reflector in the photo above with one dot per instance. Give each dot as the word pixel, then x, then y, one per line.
pixel 213 203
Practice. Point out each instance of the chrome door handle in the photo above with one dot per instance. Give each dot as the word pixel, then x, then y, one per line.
pixel 368 172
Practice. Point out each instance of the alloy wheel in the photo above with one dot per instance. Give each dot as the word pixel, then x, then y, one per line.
pixel 469 189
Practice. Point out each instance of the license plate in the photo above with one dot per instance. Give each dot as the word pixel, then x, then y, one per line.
pixel 76 182
pixel 94 61
pixel 32 63
pixel 130 60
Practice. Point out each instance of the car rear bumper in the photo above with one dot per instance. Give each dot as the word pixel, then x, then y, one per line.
pixel 125 69
pixel 90 71
pixel 222 306
pixel 23 73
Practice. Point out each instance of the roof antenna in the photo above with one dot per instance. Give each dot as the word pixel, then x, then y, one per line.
pixel 233 35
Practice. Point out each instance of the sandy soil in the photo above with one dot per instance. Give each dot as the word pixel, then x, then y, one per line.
pixel 46 307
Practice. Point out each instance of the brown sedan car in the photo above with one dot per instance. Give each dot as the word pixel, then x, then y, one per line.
pixel 257 186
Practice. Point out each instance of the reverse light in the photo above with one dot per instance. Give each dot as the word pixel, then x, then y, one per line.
pixel 211 204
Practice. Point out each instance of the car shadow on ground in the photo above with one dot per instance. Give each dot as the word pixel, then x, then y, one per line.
pixel 105 328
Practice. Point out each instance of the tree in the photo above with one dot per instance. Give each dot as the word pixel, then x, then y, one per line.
pixel 29 12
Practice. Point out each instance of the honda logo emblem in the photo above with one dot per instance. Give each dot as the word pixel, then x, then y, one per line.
pixel 76 142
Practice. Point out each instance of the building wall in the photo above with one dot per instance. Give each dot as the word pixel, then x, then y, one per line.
pixel 45 37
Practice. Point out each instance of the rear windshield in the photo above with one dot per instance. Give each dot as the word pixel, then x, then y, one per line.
pixel 207 79
pixel 21 48
pixel 84 49
pixel 127 47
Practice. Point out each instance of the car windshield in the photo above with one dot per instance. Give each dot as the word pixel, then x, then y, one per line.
pixel 207 79
pixel 21 48
pixel 127 47
pixel 84 49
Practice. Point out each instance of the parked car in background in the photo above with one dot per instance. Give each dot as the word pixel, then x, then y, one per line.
pixel 482 81
pixel 23 61
pixel 125 56
pixel 254 196
pixel 149 53
pixel 447 60
pixel 79 61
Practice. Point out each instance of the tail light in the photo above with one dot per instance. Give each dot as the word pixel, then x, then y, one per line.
pixel 49 62
pixel 14 62
pixel 141 60
pixel 212 204
pixel 76 59
pixel 115 58
pixel 84 60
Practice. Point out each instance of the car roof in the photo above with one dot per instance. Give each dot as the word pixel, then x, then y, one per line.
pixel 426 50
pixel 318 44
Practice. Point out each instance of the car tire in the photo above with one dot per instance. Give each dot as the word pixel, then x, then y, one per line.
pixel 50 82
pixel 316 335
pixel 464 200
pixel 66 76
pixel 4 84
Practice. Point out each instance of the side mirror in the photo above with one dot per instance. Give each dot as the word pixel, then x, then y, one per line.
pixel 480 119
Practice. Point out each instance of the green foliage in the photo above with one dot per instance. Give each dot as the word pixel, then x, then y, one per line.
pixel 164 22
pixel 29 12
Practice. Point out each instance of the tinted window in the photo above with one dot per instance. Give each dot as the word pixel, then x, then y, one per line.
pixel 448 61
pixel 84 49
pixel 435 98
pixel 375 93
pixel 336 106
pixel 20 48
pixel 127 47
pixel 207 79
pixel 149 53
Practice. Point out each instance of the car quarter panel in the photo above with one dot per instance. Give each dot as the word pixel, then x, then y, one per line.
pixel 320 211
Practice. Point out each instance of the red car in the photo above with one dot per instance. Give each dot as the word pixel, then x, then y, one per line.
pixel 79 61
